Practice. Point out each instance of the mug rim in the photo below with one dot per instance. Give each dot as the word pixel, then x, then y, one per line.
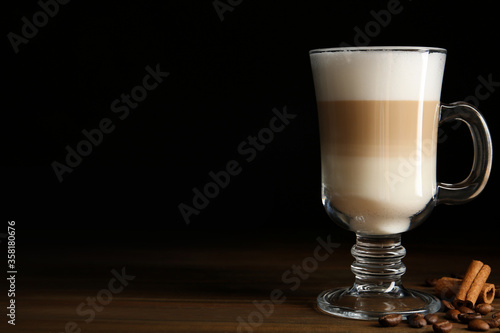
pixel 380 48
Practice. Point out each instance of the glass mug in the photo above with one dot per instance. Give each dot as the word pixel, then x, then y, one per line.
pixel 379 110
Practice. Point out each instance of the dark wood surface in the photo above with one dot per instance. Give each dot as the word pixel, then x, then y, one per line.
pixel 204 282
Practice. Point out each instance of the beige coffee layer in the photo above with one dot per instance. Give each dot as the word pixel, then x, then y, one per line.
pixel 378 128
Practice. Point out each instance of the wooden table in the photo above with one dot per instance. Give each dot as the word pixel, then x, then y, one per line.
pixel 205 282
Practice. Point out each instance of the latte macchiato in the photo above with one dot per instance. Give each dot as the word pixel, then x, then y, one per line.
pixel 379 110
pixel 378 116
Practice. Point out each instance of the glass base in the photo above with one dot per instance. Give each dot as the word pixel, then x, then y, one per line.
pixel 349 303
pixel 377 290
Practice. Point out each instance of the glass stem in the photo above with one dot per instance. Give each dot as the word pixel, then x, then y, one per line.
pixel 378 267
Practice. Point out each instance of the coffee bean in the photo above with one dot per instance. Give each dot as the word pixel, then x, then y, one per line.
pixel 447 305
pixel 442 327
pixel 466 317
pixel 484 308
pixel 390 320
pixel 497 291
pixel 452 314
pixel 478 325
pixel 417 320
pixel 493 323
pixel 431 318
pixel 464 309
pixel 496 315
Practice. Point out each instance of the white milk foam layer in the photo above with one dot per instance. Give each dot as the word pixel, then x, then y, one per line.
pixel 380 194
pixel 378 75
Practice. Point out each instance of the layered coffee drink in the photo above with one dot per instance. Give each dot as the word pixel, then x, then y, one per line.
pixel 378 117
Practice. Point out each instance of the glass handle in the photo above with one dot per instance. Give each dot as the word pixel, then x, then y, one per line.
pixel 471 186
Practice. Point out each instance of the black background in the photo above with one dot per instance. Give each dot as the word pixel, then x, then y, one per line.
pixel 225 79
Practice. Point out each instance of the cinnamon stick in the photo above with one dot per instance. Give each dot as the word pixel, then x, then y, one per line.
pixel 477 286
pixel 447 287
pixel 487 294
pixel 472 271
